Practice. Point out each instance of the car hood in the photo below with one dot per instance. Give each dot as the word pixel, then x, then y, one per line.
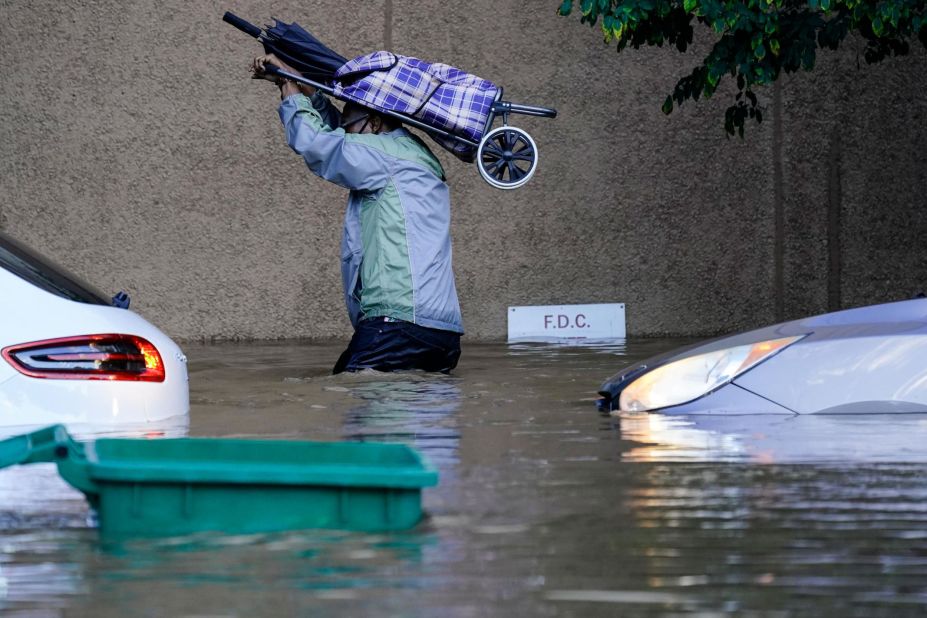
pixel 897 318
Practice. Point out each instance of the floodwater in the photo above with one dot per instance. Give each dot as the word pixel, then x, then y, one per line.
pixel 545 507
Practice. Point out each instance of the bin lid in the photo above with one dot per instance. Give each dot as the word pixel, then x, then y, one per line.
pixel 262 462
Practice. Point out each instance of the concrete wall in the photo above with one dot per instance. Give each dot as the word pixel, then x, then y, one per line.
pixel 134 148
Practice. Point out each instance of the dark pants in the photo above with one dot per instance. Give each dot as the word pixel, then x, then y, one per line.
pixel 390 345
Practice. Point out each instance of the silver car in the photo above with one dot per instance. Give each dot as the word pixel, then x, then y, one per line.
pixel 859 361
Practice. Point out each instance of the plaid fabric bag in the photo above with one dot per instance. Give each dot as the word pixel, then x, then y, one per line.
pixel 439 95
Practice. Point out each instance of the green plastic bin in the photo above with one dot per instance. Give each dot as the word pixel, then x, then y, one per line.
pixel 163 487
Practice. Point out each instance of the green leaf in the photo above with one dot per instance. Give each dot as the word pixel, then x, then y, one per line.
pixel 877 26
pixel 667 105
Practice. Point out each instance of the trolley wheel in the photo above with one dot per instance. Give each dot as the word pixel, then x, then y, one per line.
pixel 507 157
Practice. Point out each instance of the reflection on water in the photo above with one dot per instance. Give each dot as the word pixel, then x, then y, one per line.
pixel 41 515
pixel 415 409
pixel 776 438
pixel 544 507
pixel 34 497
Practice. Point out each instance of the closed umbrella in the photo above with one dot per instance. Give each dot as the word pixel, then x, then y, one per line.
pixel 295 46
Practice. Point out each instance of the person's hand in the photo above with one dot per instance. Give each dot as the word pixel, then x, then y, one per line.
pixel 287 86
pixel 259 67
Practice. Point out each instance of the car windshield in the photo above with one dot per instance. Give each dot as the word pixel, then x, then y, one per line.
pixel 41 272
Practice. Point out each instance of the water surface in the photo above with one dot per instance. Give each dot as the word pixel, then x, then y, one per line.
pixel 545 507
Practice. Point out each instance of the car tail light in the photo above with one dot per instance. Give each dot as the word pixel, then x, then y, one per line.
pixel 89 357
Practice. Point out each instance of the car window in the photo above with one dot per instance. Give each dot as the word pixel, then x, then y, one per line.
pixel 41 272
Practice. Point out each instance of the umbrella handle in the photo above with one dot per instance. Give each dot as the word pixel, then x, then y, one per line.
pixel 241 24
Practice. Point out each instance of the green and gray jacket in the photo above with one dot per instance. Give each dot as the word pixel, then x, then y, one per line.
pixel 396 247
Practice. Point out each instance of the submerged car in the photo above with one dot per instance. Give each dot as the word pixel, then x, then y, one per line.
pixel 858 361
pixel 68 355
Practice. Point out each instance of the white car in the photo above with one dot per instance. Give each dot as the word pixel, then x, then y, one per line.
pixel 67 355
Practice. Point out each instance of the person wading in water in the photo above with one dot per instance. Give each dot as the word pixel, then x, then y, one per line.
pixel 396 247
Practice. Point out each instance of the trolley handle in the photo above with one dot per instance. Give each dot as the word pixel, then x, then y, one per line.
pixel 507 107
pixel 241 24
pixel 273 71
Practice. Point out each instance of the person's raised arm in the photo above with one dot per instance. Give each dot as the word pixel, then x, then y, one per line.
pixel 330 114
pixel 354 161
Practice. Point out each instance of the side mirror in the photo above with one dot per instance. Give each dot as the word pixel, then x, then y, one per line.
pixel 121 300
